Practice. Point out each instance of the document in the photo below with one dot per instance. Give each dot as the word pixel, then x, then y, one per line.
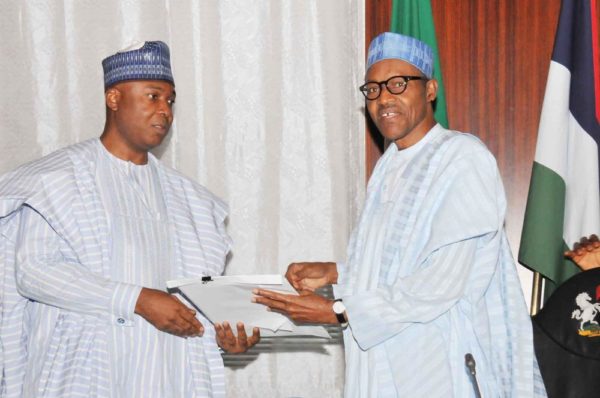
pixel 229 298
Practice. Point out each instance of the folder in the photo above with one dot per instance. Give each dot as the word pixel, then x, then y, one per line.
pixel 229 298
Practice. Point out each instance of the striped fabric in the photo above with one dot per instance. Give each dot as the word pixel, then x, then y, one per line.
pixel 82 254
pixel 430 278
pixel 151 61
pixel 389 45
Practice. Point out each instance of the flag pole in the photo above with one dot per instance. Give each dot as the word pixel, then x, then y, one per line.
pixel 536 293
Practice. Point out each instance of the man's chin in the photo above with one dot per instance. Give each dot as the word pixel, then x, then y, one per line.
pixel 392 134
pixel 153 144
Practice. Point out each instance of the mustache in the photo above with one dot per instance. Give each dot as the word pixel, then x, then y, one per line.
pixel 389 109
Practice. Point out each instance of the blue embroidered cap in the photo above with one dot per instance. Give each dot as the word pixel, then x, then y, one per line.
pixel 390 45
pixel 144 61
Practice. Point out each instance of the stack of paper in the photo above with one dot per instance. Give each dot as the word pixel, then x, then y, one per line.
pixel 229 298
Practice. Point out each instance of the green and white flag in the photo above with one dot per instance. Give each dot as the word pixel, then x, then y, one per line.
pixel 563 203
pixel 414 18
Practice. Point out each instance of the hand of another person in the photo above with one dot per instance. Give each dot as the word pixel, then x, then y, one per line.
pixel 168 314
pixel 311 276
pixel 307 308
pixel 232 344
pixel 586 253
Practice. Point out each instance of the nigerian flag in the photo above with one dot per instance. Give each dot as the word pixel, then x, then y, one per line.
pixel 563 203
pixel 414 18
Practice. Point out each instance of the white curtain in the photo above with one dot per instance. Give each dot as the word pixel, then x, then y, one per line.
pixel 268 117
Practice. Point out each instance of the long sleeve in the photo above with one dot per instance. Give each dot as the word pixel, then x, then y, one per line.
pixel 46 275
pixel 377 315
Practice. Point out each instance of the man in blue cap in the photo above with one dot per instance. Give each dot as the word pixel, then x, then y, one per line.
pixel 429 291
pixel 90 234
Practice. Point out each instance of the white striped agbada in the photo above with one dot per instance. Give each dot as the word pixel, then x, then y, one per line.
pixel 430 277
pixel 98 229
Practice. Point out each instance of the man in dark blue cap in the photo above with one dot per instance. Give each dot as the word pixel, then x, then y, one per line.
pixel 90 234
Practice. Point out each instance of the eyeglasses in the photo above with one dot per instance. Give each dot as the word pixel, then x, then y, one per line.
pixel 395 85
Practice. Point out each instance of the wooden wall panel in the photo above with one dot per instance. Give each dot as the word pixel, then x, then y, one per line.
pixel 377 20
pixel 495 56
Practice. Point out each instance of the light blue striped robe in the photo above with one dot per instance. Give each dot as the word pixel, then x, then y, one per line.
pixel 58 324
pixel 430 277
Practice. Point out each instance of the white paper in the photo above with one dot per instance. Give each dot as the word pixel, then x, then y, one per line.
pixel 267 279
pixel 229 298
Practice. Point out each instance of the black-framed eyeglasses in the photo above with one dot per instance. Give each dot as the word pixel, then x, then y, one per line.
pixel 395 85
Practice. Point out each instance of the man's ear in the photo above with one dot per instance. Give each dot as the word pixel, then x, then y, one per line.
pixel 431 89
pixel 112 97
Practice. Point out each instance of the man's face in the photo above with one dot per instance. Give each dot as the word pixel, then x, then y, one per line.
pixel 144 112
pixel 407 117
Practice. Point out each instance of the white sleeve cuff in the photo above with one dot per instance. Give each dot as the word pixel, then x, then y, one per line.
pixel 123 303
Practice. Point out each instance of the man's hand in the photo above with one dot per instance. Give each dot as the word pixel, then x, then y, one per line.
pixel 586 253
pixel 311 276
pixel 228 342
pixel 167 313
pixel 307 308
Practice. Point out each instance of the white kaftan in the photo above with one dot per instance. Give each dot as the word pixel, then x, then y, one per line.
pixel 83 231
pixel 430 277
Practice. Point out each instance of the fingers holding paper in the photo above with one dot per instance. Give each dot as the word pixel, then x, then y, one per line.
pixel 233 344
pixel 311 276
pixel 307 308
